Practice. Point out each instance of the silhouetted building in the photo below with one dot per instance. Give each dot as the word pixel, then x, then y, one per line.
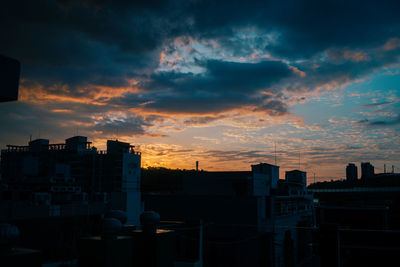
pixel 75 172
pixel 56 192
pixel 351 172
pixel 367 170
pixel 358 222
pixel 155 244
pixel 247 214
pixel 121 178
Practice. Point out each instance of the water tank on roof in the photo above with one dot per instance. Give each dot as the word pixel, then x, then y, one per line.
pixel 117 214
pixel 149 221
pixel 110 227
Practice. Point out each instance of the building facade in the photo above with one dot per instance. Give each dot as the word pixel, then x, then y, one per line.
pixel 251 218
pixel 55 193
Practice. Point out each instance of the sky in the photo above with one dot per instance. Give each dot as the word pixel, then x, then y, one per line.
pixel 312 85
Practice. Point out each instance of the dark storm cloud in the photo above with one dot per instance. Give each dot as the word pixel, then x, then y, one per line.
pixel 222 76
pixel 202 120
pixel 127 126
pixel 197 103
pixel 339 71
pixel 306 27
pixel 134 27
pixel 77 43
pixel 273 107
pixel 223 86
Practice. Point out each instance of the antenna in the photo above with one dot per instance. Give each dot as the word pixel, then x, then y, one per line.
pixel 30 138
pixel 275 153
pixel 392 168
pixel 299 161
pixel 384 168
pixel 314 177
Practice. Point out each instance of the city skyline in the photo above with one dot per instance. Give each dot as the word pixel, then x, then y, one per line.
pixel 219 83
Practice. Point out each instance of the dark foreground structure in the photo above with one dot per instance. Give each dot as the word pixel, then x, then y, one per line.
pixel 73 205
pixel 57 193
pixel 63 201
pixel 359 221
pixel 9 78
pixel 250 218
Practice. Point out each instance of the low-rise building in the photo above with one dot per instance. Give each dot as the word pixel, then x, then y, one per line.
pixel 249 214
pixel 56 192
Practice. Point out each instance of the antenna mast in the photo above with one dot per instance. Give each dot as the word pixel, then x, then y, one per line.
pixel 299 161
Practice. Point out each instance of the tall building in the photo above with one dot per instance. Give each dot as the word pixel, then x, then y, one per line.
pixel 367 170
pixel 351 172
pixel 121 178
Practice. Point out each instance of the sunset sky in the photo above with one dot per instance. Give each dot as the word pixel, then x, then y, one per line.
pixel 219 82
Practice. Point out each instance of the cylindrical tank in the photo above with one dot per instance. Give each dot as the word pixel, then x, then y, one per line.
pixel 117 214
pixel 110 228
pixel 149 221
